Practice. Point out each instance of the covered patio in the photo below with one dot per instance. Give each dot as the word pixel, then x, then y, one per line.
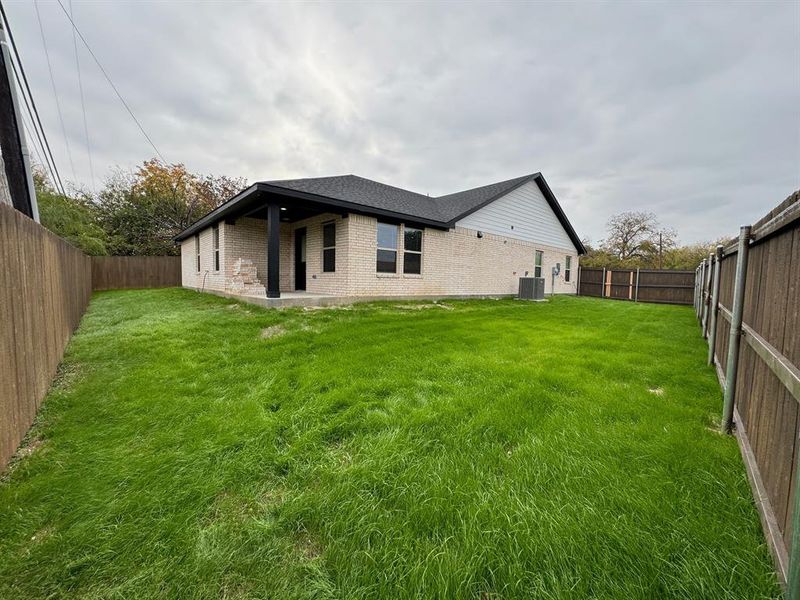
pixel 285 235
pixel 274 207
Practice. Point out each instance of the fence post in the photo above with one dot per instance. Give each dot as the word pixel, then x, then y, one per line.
pixel 636 299
pixel 603 284
pixel 707 294
pixel 696 287
pixel 793 579
pixel 702 284
pixel 630 285
pixel 736 328
pixel 578 283
pixel 712 333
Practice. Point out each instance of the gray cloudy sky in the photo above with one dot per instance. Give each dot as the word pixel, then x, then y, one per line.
pixel 688 110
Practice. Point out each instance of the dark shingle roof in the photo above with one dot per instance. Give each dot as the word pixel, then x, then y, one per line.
pixel 374 194
pixel 453 206
pixel 351 191
pixel 366 192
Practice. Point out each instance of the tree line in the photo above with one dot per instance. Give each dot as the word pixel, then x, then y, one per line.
pixel 637 240
pixel 140 212
pixel 136 212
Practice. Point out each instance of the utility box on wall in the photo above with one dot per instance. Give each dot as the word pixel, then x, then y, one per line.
pixel 531 288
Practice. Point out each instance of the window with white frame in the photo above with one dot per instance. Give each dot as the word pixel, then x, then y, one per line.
pixel 412 251
pixel 215 245
pixel 197 251
pixel 567 268
pixel 387 248
pixel 537 266
pixel 329 247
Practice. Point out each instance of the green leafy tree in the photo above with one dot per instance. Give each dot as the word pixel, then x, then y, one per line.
pixel 75 219
pixel 143 211
pixel 688 257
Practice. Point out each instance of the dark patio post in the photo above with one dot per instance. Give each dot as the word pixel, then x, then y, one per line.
pixel 273 251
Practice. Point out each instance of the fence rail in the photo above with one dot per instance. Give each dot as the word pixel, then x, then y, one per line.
pixel 45 286
pixel 638 285
pixel 750 292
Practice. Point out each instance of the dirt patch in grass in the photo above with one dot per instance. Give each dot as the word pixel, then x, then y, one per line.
pixel 230 507
pixel 307 546
pixel 272 331
pixel 656 391
pixel 29 447
pixel 42 535
pixel 239 308
pixel 332 307
pixel 273 498
pixel 67 374
pixel 341 454
pixel 423 306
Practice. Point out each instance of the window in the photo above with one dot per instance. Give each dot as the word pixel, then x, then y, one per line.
pixel 328 247
pixel 412 257
pixel 197 251
pixel 567 267
pixel 387 248
pixel 215 245
pixel 537 268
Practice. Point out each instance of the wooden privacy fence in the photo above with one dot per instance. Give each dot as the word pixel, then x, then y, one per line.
pixel 45 286
pixel 128 272
pixel 747 299
pixel 637 285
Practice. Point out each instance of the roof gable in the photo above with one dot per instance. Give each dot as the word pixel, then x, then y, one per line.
pixel 455 206
pixel 523 214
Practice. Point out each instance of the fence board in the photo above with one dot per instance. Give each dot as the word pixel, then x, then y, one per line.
pixel 45 286
pixel 131 272
pixel 791 350
pixel 768 414
pixel 659 286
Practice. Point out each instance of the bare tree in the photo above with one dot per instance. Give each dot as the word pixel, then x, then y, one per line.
pixel 638 237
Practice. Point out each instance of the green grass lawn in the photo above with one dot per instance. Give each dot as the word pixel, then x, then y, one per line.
pixel 193 447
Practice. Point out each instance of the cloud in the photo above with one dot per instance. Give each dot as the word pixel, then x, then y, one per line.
pixel 691 111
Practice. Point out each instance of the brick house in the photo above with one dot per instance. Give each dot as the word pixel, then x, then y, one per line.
pixel 347 236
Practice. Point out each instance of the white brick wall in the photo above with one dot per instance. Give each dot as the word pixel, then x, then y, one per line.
pixel 317 282
pixel 454 262
pixel 190 275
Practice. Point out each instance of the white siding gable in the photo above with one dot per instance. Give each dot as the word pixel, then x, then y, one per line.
pixel 522 214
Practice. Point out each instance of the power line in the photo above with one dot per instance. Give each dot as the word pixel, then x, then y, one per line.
pixel 30 95
pixel 35 147
pixel 46 162
pixel 55 91
pixel 83 103
pixel 111 83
